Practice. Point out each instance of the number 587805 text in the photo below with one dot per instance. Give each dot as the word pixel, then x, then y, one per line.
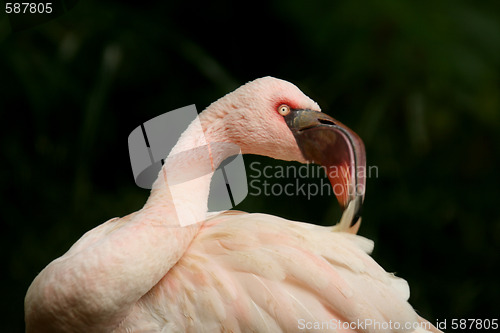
pixel 28 8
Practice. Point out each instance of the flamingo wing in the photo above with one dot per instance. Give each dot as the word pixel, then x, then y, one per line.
pixel 261 273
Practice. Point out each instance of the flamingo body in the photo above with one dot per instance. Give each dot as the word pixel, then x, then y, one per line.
pixel 284 273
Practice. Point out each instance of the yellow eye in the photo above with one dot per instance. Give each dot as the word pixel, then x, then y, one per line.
pixel 283 109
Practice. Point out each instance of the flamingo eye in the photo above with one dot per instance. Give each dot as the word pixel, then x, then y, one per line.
pixel 283 109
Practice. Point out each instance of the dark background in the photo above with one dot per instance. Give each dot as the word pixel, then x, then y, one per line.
pixel 417 80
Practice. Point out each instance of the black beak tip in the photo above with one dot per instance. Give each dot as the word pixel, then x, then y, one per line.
pixel 358 201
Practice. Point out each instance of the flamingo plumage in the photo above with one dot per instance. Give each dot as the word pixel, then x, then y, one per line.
pixel 231 271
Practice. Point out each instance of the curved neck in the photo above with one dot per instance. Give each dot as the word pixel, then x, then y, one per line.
pixel 182 187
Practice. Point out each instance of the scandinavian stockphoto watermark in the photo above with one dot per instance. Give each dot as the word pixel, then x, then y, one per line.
pixel 366 324
pixel 191 164
pixel 304 180
pixel 151 150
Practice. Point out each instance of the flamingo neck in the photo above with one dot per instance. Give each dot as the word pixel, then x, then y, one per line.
pixel 183 184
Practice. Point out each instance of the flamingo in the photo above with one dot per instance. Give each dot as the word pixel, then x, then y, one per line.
pixel 230 271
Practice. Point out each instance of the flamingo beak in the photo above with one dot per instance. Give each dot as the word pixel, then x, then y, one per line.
pixel 329 143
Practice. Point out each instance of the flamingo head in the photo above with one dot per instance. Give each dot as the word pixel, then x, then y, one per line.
pixel 272 117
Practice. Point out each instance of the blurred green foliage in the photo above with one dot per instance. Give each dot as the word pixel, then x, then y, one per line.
pixel 418 80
